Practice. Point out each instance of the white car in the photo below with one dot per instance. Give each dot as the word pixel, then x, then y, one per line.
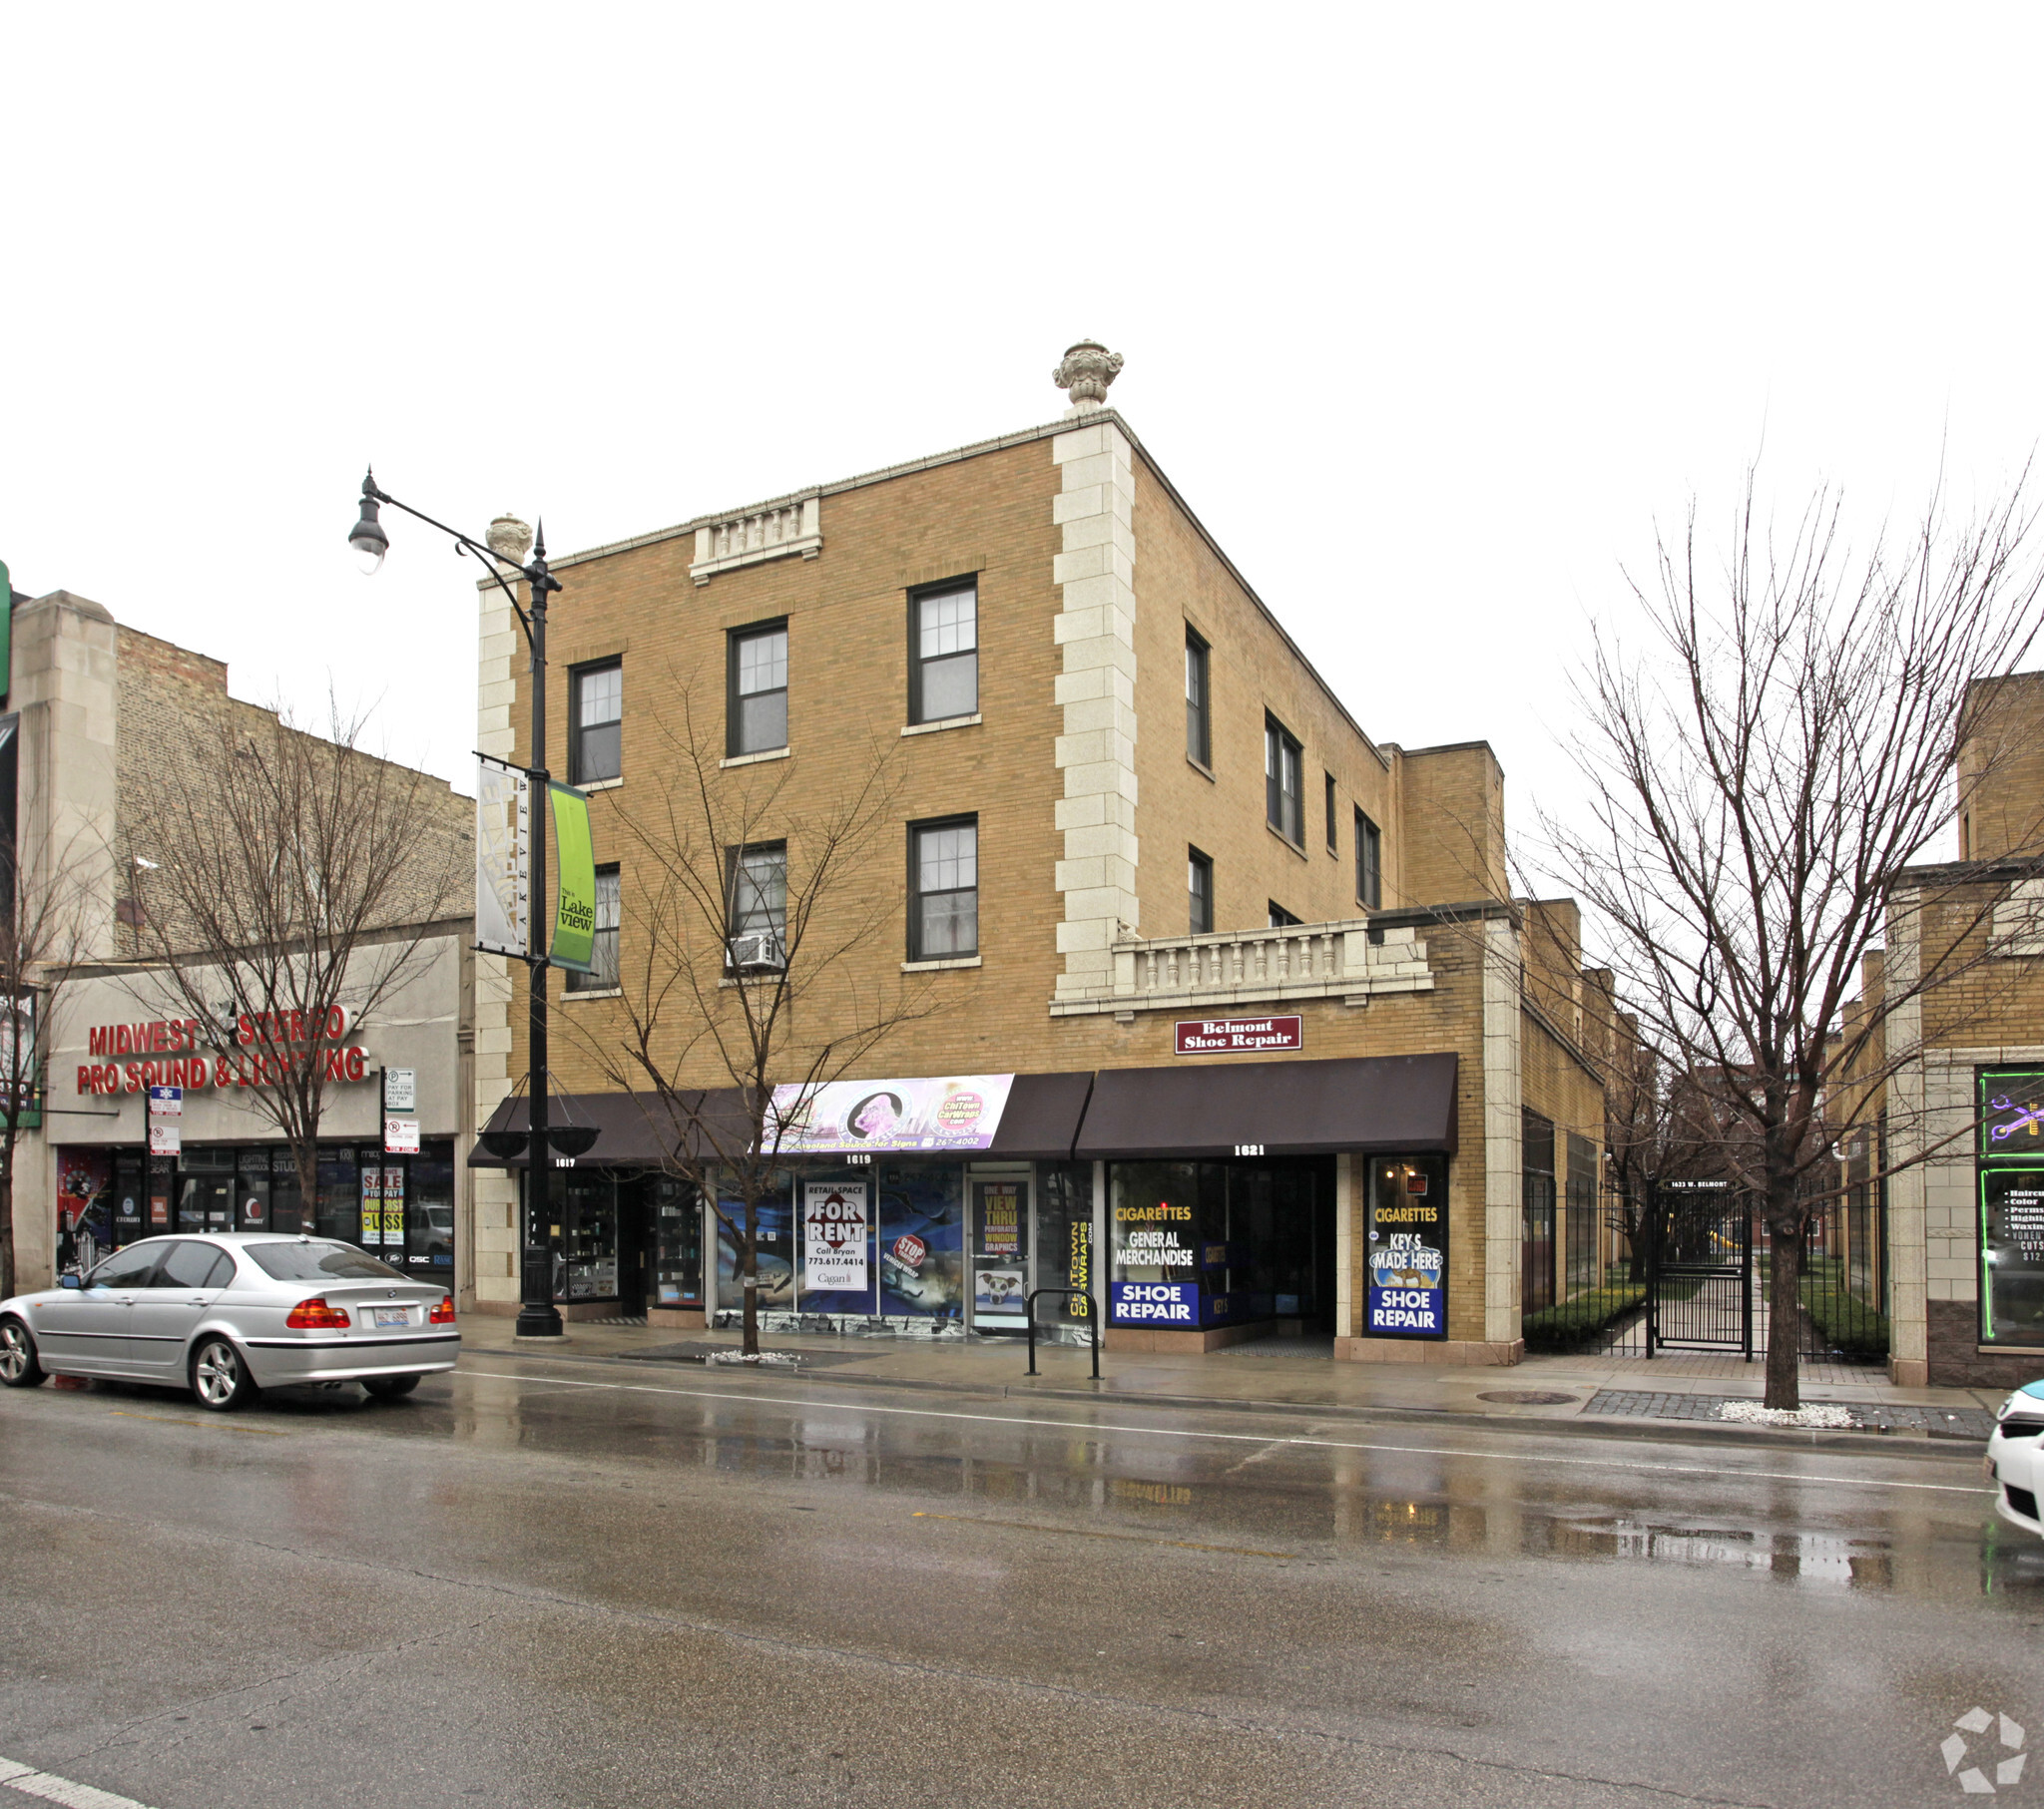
pixel 231 1313
pixel 2015 1456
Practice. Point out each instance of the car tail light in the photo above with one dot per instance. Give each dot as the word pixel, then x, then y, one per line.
pixel 314 1315
pixel 443 1311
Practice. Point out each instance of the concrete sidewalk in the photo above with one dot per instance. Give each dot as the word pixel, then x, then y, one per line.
pixel 1601 1393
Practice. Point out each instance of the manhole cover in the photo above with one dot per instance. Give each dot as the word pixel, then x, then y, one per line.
pixel 1528 1397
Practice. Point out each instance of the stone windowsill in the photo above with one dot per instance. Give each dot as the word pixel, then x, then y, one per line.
pixel 1298 848
pixel 601 784
pixel 931 966
pixel 754 759
pixel 930 729
pixel 1205 772
pixel 591 992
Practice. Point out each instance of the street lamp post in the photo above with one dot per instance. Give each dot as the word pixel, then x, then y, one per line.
pixel 537 1317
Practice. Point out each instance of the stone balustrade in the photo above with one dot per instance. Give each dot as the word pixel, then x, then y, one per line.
pixel 1344 960
pixel 780 532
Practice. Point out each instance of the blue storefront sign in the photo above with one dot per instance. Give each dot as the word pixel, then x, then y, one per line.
pixel 1162 1303
pixel 1408 1249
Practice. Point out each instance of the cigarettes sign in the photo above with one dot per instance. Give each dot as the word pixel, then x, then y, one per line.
pixel 1239 1036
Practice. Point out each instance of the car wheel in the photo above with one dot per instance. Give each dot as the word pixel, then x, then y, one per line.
pixel 388 1388
pixel 220 1376
pixel 19 1365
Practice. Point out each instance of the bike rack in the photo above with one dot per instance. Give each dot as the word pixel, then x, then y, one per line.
pixel 1092 1316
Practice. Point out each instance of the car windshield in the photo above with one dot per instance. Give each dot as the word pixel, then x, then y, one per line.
pixel 320 1263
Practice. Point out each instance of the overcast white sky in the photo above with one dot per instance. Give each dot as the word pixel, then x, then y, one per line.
pixel 1430 312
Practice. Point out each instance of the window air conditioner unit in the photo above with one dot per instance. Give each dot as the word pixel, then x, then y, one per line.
pixel 757 949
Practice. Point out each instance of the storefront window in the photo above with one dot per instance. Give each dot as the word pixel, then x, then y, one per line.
pixel 339 1210
pixel 1169 1227
pixel 1064 1239
pixel 131 1204
pixel 775 1252
pixel 678 1243
pixel 252 1191
pixel 2011 1184
pixel 206 1191
pixel 285 1200
pixel 586 1259
pixel 1406 1245
pixel 1000 1252
pixel 429 1213
pixel 836 1263
pixel 85 1207
pixel 922 1238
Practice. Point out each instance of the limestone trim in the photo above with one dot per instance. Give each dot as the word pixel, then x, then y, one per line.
pixel 930 729
pixel 493 1193
pixel 750 538
pixel 1096 629
pixel 754 759
pixel 1503 993
pixel 1225 968
pixel 1908 1310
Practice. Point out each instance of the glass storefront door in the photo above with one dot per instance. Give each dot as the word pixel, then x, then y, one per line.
pixel 206 1191
pixel 1000 1252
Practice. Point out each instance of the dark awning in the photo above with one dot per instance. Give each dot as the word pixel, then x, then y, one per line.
pixel 1395 1103
pixel 634 1129
pixel 1042 1116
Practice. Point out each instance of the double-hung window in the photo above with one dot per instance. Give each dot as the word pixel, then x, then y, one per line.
pixel 1333 846
pixel 759 690
pixel 1283 801
pixel 595 723
pixel 1199 731
pixel 1369 887
pixel 759 906
pixel 943 889
pixel 603 958
pixel 943 652
pixel 1200 890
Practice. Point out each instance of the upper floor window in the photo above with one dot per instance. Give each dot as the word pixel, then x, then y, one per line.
pixel 1370 888
pixel 1333 846
pixel 1199 737
pixel 1283 802
pixel 603 958
pixel 759 690
pixel 759 906
pixel 943 654
pixel 944 884
pixel 1280 916
pixel 595 723
pixel 1200 890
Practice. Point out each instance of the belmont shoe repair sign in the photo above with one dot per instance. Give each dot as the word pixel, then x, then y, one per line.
pixel 1239 1036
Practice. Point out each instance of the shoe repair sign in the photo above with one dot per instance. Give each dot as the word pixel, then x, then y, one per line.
pixel 1239 1036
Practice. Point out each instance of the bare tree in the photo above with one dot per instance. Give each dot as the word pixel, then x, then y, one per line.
pixel 1758 780
pixel 746 912
pixel 44 914
pixel 284 887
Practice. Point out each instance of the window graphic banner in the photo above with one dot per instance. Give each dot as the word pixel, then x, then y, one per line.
pixel 503 850
pixel 955 1112
pixel 574 944
pixel 1408 1249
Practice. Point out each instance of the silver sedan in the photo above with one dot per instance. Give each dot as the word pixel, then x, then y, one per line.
pixel 232 1313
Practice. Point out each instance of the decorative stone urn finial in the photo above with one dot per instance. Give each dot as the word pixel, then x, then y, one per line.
pixel 510 539
pixel 1088 368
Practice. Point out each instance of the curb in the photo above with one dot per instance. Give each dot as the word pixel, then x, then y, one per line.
pixel 1631 1429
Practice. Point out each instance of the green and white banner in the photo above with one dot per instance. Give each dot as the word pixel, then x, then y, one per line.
pixel 574 943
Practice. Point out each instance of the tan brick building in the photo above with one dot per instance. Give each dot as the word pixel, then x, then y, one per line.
pixel 103 711
pixel 1965 1111
pixel 1125 806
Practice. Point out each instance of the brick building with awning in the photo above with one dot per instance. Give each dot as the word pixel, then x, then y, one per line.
pixel 1234 1022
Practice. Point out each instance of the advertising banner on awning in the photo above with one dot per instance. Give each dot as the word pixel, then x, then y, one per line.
pixel 950 1112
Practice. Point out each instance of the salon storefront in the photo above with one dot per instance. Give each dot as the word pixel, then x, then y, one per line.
pixel 1190 1208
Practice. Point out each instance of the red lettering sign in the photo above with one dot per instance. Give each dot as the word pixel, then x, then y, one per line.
pixel 1239 1036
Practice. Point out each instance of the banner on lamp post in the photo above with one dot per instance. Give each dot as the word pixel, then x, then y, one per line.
pixel 503 858
pixel 574 943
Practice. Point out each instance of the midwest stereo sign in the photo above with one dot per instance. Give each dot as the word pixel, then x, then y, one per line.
pixel 1239 1036
pixel 166 1051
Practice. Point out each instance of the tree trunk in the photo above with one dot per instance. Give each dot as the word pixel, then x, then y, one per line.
pixel 7 1288
pixel 751 1280
pixel 1784 1308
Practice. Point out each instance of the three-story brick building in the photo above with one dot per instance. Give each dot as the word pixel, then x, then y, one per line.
pixel 1237 993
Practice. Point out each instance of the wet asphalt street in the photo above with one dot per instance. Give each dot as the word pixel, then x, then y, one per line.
pixel 545 1582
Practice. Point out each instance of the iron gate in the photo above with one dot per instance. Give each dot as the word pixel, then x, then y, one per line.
pixel 1700 1274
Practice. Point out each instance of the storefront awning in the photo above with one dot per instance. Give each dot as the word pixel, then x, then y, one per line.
pixel 1042 1119
pixel 634 1129
pixel 1399 1105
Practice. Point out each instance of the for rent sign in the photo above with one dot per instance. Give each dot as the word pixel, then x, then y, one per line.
pixel 1239 1036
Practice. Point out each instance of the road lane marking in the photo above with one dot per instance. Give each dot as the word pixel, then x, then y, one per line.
pixel 1127 1539
pixel 164 1419
pixel 1234 1437
pixel 31 1782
